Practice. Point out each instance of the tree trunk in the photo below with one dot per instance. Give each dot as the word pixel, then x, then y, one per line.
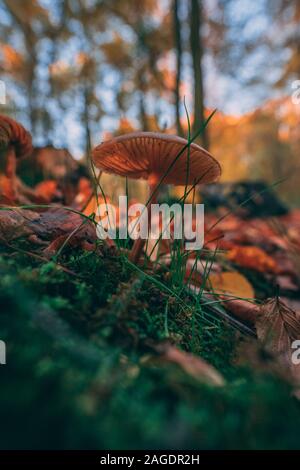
pixel 29 41
pixel 197 54
pixel 178 48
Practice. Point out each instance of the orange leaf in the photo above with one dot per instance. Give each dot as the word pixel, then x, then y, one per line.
pixel 231 283
pixel 252 257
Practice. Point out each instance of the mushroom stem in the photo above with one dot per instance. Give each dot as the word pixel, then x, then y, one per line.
pixel 10 172
pixel 139 244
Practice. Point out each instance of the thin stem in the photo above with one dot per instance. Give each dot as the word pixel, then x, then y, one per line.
pixel 10 172
pixel 139 244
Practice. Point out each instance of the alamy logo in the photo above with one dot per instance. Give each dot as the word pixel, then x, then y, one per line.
pixel 158 221
pixel 2 92
pixel 296 353
pixel 2 352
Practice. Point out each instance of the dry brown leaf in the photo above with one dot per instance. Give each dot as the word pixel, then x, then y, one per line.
pixel 278 326
pixel 294 304
pixel 46 227
pixel 15 224
pixel 191 364
pixel 231 283
pixel 242 309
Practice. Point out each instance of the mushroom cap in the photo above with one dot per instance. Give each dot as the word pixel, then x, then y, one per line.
pixel 13 133
pixel 149 155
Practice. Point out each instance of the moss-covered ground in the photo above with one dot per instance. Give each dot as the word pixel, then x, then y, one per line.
pixel 80 371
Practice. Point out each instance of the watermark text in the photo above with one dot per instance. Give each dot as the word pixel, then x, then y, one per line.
pixel 2 352
pixel 159 221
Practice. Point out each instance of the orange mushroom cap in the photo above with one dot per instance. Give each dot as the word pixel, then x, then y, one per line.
pixel 13 133
pixel 149 156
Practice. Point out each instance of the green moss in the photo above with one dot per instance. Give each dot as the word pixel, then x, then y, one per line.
pixel 77 374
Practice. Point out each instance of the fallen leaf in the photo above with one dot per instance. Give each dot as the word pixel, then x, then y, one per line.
pixel 191 364
pixel 286 263
pixel 231 283
pixel 286 283
pixel 252 257
pixel 15 224
pixel 242 309
pixel 46 227
pixel 294 304
pixel 47 190
pixel 278 326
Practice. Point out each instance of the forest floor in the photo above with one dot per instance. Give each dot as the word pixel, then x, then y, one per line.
pixel 96 359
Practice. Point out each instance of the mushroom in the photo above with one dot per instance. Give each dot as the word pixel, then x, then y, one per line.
pixel 15 143
pixel 156 158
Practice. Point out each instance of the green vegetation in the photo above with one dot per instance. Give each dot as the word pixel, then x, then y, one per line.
pixel 81 373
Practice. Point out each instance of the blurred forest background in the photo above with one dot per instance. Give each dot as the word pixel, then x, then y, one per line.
pixel 77 71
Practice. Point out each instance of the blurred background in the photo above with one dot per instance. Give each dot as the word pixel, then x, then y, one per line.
pixel 79 71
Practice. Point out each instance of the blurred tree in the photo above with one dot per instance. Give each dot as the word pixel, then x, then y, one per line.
pixel 206 33
pixel 30 19
pixel 196 40
pixel 287 14
pixel 140 59
pixel 178 51
pixel 51 83
pixel 78 80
